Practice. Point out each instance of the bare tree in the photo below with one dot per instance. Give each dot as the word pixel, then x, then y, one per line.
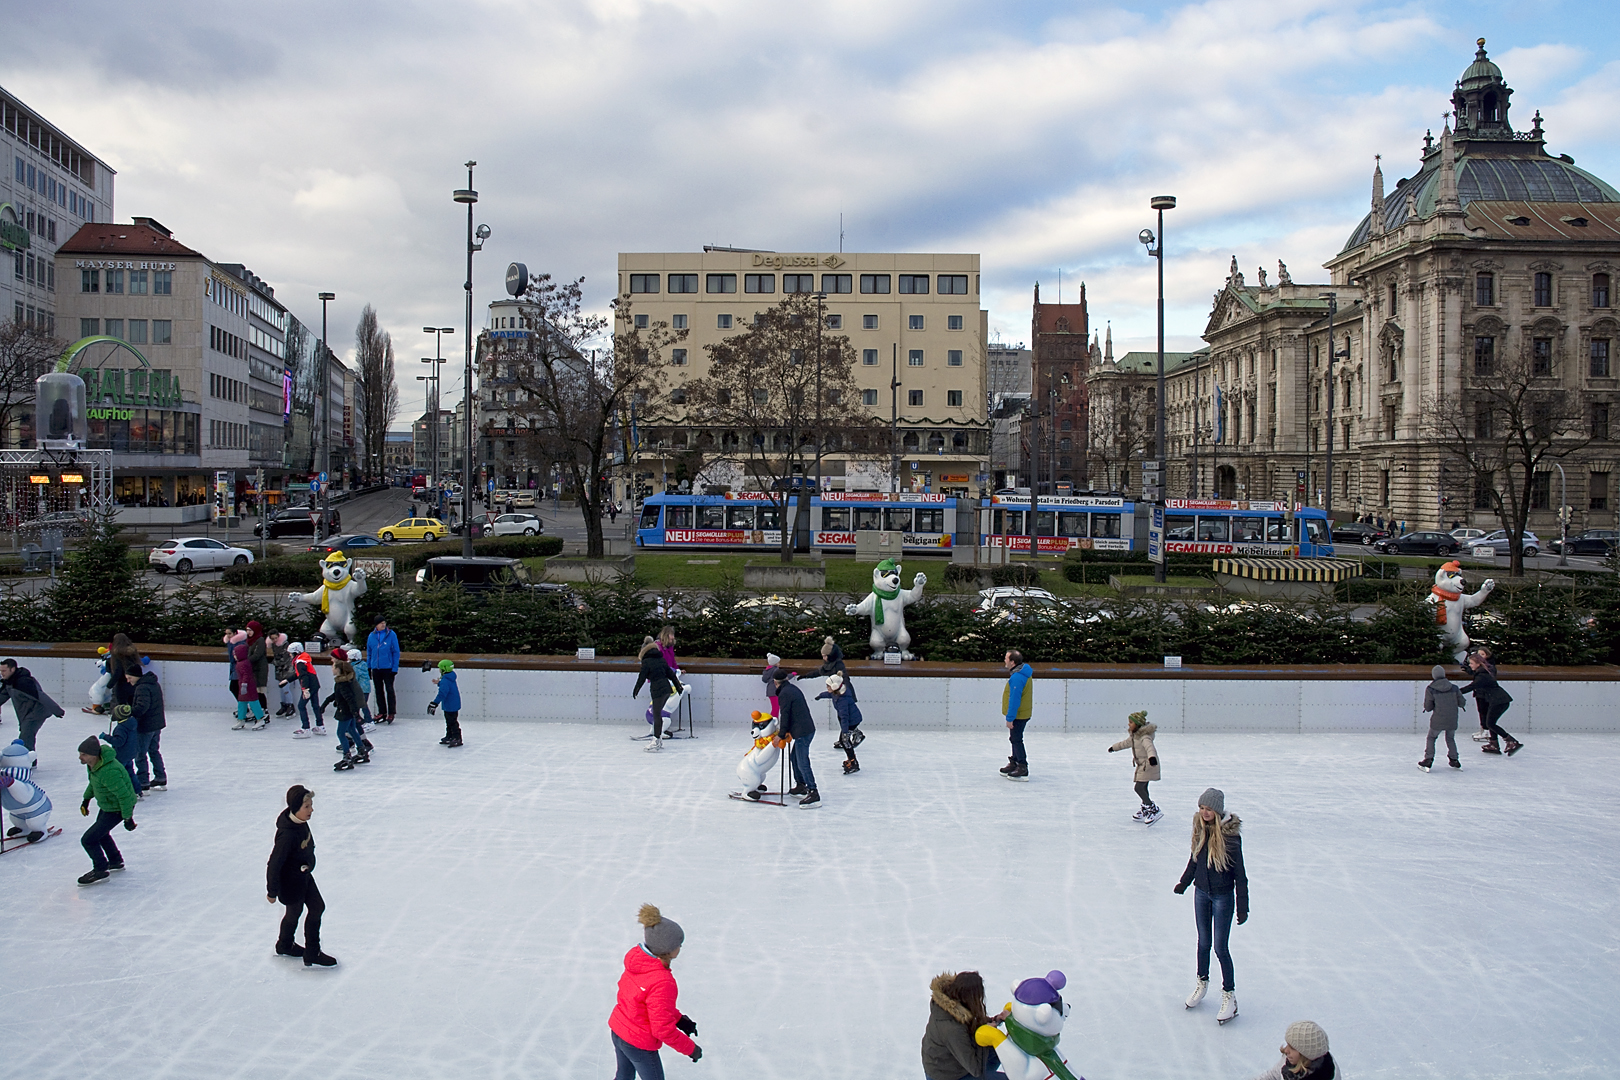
pixel 761 394
pixel 1121 427
pixel 26 353
pixel 1510 417
pixel 379 393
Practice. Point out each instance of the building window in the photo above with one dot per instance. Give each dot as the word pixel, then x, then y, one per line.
pixel 677 396
pixel 1484 355
pixel 641 322
pixel 1543 289
pixel 836 283
pixel 162 331
pixel 914 322
pixel 722 322
pixel 1541 356
pixel 1394 303
pixel 683 283
pixel 1597 491
pixel 1383 487
pixel 137 332
pixel 720 283
pixel 952 285
pixel 677 357
pixel 163 282
pixel 1600 420
pixel 868 397
pixel 759 283
pixel 869 322
pixel 914 358
pixel 1484 290
pixel 89 280
pixel 1482 421
pixel 914 284
pixel 1600 292
pixel 115 328
pixel 644 283
pixel 87 327
pixel 914 399
pixel 953 322
pixel 678 321
pixel 115 281
pixel 835 322
pixel 874 283
pixel 1484 491
pixel 953 357
pixel 953 398
pixel 1600 358
pixel 869 357
pixel 798 283
pixel 1541 491
pixel 137 282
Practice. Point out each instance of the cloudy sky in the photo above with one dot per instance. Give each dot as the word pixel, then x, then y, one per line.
pixel 319 142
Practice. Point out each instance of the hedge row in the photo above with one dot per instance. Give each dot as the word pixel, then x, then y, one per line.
pixel 293 571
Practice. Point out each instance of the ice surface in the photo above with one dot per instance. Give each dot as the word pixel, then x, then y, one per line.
pixel 480 899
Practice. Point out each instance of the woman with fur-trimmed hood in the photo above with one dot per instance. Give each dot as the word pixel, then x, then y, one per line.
pixel 1215 870
pixel 955 1012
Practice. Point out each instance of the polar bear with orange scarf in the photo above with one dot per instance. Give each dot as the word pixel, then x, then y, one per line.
pixel 1450 602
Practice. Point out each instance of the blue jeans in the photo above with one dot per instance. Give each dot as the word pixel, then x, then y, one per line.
pixel 98 841
pixel 146 751
pixel 303 704
pixel 634 1061
pixel 1015 734
pixel 799 756
pixel 1214 917
pixel 348 731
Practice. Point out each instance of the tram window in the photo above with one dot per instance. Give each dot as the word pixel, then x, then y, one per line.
pixel 770 517
pixel 1105 525
pixel 1218 529
pixel 1274 531
pixel 835 520
pixel 1045 522
pixel 866 519
pixel 677 517
pixel 1010 522
pixel 1071 523
pixel 930 521
pixel 897 520
pixel 711 517
pixel 649 517
pixel 739 517
pixel 1317 531
pixel 1248 530
pixel 1178 526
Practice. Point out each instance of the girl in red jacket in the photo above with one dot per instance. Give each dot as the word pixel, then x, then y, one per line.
pixel 646 1016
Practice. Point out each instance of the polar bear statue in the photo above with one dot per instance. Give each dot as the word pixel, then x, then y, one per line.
pixel 27 806
pixel 101 692
pixel 1028 1050
pixel 340 590
pixel 762 757
pixel 886 604
pixel 1450 603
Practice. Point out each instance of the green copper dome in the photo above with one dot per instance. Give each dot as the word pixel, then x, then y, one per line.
pixel 1481 71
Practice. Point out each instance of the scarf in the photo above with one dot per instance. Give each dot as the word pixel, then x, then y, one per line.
pixel 1039 1046
pixel 327 589
pixel 882 594
pixel 1440 606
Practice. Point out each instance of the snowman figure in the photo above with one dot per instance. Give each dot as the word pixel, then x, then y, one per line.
pixel 886 604
pixel 1450 602
pixel 26 804
pixel 1028 1049
pixel 762 757
pixel 340 591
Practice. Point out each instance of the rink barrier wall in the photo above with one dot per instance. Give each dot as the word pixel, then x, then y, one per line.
pixel 922 695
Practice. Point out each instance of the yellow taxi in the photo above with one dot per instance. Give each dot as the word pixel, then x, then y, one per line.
pixel 414 529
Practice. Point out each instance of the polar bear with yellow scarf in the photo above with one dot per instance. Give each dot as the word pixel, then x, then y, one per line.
pixel 341 589
pixel 886 604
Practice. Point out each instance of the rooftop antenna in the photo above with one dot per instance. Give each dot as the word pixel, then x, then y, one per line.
pixel 1060 286
pixel 840 232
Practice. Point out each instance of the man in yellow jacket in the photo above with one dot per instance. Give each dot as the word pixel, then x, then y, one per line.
pixel 1017 701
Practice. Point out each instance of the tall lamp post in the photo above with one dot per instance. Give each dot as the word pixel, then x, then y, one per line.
pixel 821 319
pixel 433 428
pixel 894 420
pixel 324 460
pixel 438 333
pixel 475 242
pixel 1155 248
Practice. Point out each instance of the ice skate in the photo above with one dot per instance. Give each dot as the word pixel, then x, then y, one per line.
pixel 851 766
pixel 300 733
pixel 1153 814
pixel 798 789
pixel 444 740
pixel 1454 763
pixel 1141 813
pixel 1198 993
pixel 1228 1006
pixel 455 742
pixel 842 741
pixel 261 725
pixel 159 784
pixel 318 959
pixel 320 729
pixel 1425 764
pixel 294 950
pixel 1481 735
pixel 1513 747
pixel 653 747
pixel 1490 748
pixel 1007 769
pixel 810 801
pixel 94 877
pixel 239 725
pixel 115 866
pixel 1020 772
pixel 343 764
pixel 855 738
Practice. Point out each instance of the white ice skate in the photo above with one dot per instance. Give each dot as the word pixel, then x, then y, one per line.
pixel 1228 1006
pixel 239 725
pixel 300 733
pixel 1153 814
pixel 1141 812
pixel 1198 993
pixel 320 729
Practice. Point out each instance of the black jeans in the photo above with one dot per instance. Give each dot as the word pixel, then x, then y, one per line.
pixel 98 841
pixel 658 715
pixel 1142 792
pixel 1493 713
pixel 384 678
pixel 452 729
pixel 1016 736
pixel 308 901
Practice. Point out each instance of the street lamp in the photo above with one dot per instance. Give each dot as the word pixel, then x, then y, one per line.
pixel 1155 248
pixel 475 242
pixel 821 317
pixel 324 461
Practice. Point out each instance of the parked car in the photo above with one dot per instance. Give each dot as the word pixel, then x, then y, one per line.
pixel 523 498
pixel 1419 543
pixel 1007 595
pixel 196 553
pixel 487 573
pixel 1600 542
pixel 1466 535
pixel 296 521
pixel 422 528
pixel 515 525
pixel 1358 532
pixel 484 521
pixel 1498 539
pixel 352 544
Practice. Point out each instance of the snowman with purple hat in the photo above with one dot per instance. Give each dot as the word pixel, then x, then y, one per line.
pixel 1028 1050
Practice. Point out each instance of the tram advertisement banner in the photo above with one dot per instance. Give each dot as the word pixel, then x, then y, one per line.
pixel 1056 545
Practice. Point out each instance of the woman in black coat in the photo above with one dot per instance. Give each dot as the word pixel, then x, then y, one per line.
pixel 655 672
pixel 1493 701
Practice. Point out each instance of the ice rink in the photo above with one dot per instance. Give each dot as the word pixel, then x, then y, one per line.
pixel 479 901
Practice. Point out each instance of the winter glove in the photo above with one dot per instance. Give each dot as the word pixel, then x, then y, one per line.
pixel 1181 887
pixel 687 1025
pixel 432 709
pixel 84 808
pixel 697 1052
pixel 129 824
pixel 1243 917
pixel 1153 761
pixel 1111 749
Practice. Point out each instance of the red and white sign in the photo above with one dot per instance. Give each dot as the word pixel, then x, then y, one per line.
pixel 1057 544
pixel 705 536
pixel 853 497
pixel 1202 547
pixel 835 539
pixel 1095 502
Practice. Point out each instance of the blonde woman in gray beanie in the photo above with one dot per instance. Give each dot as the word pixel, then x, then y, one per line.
pixel 1305 1055
pixel 1215 869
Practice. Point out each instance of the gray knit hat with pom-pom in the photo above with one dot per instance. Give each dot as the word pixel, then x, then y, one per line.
pixel 662 936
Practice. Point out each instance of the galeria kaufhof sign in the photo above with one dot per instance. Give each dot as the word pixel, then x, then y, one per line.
pixel 129 386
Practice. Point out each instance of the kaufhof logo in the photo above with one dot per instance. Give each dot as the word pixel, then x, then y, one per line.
pixel 783 262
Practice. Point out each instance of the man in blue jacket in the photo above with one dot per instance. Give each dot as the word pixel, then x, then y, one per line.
pixel 382 657
pixel 1017 702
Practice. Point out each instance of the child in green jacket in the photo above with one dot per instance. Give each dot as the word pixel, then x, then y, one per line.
pixel 114 793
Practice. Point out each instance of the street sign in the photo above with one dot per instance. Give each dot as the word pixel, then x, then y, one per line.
pixel 323 478
pixel 1156 535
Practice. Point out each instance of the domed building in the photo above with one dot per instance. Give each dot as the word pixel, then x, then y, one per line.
pixel 1474 302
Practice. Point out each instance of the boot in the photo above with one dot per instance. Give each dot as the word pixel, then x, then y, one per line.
pixel 798 789
pixel 1198 993
pixel 1228 1006
pixel 1491 747
pixel 1425 763
pixel 1006 770
pixel 851 766
pixel 855 738
pixel 1512 747
pixel 1020 772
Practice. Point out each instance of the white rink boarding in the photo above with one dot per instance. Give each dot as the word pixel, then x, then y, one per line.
pixel 1191 704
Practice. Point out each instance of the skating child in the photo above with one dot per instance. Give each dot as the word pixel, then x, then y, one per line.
pixel 286 679
pixel 646 1015
pixel 1139 741
pixel 124 740
pixel 449 696
pixel 345 698
pixel 114 793
pixel 247 689
pixel 309 692
pixel 849 721
pixel 772 664
pixel 362 682
pixel 1441 700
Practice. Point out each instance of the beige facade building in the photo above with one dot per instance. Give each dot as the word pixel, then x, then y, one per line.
pixel 920 341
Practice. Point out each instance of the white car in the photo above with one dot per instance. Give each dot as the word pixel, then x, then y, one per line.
pixel 1001 594
pixel 196 553
pixel 1498 539
pixel 1466 535
pixel 516 525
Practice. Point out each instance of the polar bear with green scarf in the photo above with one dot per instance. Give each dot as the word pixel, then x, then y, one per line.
pixel 886 604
